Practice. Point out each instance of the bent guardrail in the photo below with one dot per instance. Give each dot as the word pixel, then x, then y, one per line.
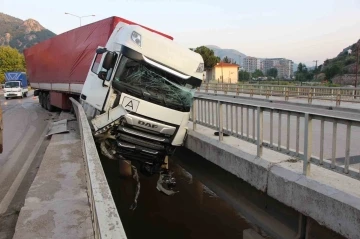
pixel 105 217
pixel 229 118
pixel 310 93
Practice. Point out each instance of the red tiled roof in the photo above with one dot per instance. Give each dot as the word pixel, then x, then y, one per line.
pixel 223 64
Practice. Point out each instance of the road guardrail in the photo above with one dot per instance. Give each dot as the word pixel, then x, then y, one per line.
pixel 310 93
pixel 105 217
pixel 234 119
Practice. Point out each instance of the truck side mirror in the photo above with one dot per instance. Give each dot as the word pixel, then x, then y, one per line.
pixel 109 60
pixel 102 75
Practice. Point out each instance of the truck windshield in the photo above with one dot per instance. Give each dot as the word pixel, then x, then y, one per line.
pixel 12 84
pixel 152 84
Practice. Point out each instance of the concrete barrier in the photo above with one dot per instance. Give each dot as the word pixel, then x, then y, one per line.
pixel 106 220
pixel 329 198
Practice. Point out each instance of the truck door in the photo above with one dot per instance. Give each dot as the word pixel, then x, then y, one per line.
pixel 95 90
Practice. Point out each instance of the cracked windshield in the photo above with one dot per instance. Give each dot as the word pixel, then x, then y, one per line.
pixel 153 82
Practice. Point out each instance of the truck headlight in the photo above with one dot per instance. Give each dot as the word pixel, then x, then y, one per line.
pixel 200 68
pixel 136 37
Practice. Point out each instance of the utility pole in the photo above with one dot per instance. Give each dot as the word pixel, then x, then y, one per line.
pixel 222 73
pixel 316 61
pixel 357 64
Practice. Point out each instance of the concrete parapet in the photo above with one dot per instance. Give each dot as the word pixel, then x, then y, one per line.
pixel 330 198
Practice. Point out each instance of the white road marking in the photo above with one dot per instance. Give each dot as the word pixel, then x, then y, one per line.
pixel 19 178
pixel 14 157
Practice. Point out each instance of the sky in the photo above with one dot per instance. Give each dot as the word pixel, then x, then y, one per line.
pixel 302 31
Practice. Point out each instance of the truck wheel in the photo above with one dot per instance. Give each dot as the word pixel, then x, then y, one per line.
pixel 25 94
pixel 49 106
pixel 41 99
pixel 6 98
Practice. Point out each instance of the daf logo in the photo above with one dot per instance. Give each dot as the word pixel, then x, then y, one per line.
pixel 154 126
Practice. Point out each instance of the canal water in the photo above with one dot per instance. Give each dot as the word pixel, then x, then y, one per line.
pixel 194 212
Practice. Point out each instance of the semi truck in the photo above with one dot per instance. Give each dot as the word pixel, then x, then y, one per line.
pixel 135 84
pixel 16 85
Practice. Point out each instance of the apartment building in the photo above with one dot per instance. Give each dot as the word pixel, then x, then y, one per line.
pixel 284 67
pixel 251 64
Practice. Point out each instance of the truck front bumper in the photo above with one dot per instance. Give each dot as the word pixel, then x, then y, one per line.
pixel 12 94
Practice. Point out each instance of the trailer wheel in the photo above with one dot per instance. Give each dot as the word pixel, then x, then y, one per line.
pixel 48 104
pixel 42 99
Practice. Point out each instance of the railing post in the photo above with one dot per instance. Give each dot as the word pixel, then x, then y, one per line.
pixel 307 144
pixel 207 87
pixel 347 147
pixel 221 121
pixel 287 94
pixel 259 131
pixel 237 90
pixel 338 98
pixel 284 92
pixel 194 114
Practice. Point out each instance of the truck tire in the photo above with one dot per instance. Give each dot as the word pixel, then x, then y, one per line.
pixel 41 99
pixel 25 94
pixel 48 104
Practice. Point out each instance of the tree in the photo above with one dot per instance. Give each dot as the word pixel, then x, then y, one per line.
pixel 10 60
pixel 257 73
pixel 302 68
pixel 303 74
pixel 332 71
pixel 208 56
pixel 273 72
pixel 244 75
pixel 226 60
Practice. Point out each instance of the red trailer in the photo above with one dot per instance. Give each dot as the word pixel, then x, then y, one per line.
pixel 58 67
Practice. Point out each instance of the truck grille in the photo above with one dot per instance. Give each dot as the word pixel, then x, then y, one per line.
pixel 143 134
pixel 140 142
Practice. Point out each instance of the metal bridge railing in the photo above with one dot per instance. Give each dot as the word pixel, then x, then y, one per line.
pixel 105 217
pixel 308 92
pixel 328 141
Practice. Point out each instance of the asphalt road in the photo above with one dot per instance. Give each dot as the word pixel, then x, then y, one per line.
pixel 25 124
pixel 328 127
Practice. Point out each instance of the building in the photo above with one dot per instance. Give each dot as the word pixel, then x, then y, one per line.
pixel 223 73
pixel 284 67
pixel 251 64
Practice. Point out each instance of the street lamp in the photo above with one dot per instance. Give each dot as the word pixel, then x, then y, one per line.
pixel 356 66
pixel 80 17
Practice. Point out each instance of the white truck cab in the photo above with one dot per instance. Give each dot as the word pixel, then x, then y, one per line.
pixel 15 85
pixel 14 89
pixel 138 95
